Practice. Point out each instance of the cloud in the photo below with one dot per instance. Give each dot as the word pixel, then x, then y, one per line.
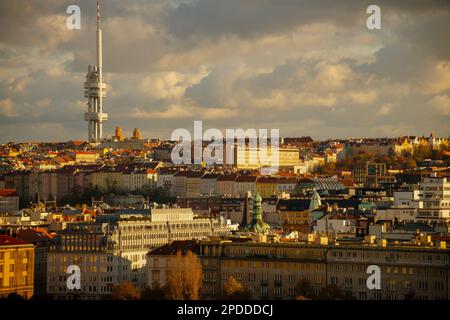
pixel 7 108
pixel 306 67
pixel 385 109
pixel 442 104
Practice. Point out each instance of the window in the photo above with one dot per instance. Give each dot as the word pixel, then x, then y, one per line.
pixel 391 285
pixel 264 291
pixel 407 284
pixel 377 295
pixel 277 291
pixel 362 281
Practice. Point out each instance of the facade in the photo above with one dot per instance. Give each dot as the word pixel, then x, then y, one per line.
pixel 193 182
pixel 295 214
pixel 208 184
pixel 16 267
pixel 179 183
pixel 371 174
pixel 272 270
pixel 136 179
pixel 114 248
pixel 243 184
pixel 41 240
pixel 158 260
pixel 226 185
pixel 9 201
pixel 248 158
pixel 266 186
pixel 166 180
pixel 429 203
pixel 285 185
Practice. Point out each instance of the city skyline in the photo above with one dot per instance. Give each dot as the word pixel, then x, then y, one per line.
pixel 309 69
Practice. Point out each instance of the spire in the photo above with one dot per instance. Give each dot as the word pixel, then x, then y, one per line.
pixel 246 213
pixel 257 224
pixel 98 15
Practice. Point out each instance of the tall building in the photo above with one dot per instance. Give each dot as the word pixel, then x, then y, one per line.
pixel 95 91
pixel 16 267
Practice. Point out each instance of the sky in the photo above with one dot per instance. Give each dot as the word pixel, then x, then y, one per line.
pixel 308 68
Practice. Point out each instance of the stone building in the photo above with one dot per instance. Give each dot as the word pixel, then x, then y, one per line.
pixel 114 248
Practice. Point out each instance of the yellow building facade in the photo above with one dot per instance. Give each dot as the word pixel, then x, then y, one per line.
pixel 16 267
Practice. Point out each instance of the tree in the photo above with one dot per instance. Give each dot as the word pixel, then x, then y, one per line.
pixel 234 290
pixel 331 292
pixel 155 293
pixel 304 290
pixel 184 277
pixel 13 296
pixel 125 291
pixel 411 295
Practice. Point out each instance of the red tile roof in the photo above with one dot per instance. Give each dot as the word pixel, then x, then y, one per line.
pixel 175 246
pixel 10 241
pixel 8 192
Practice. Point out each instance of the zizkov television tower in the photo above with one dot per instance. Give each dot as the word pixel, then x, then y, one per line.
pixel 95 91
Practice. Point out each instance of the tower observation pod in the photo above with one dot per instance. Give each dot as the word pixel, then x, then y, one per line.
pixel 95 91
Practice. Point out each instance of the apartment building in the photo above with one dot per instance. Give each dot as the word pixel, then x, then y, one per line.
pixel 249 158
pixel 193 182
pixel 429 203
pixel 208 183
pixel 245 183
pixel 272 270
pixel 114 248
pixel 16 267
pixel 179 183
pixel 9 200
pixel 226 185
pixel 266 186
pixel 371 174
